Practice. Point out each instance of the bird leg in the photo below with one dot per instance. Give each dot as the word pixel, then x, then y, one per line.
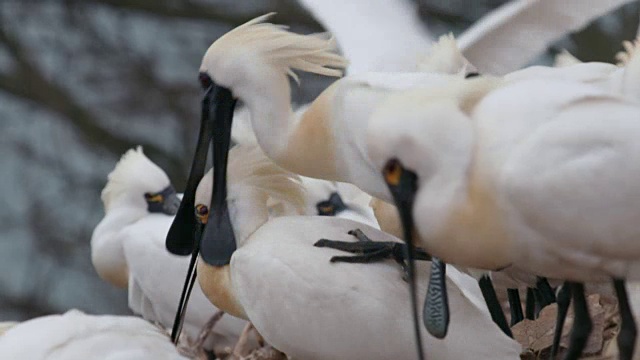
pixel 491 299
pixel 368 251
pixel 515 306
pixel 582 325
pixel 564 299
pixel 435 311
pixel 530 305
pixel 628 331
pixel 547 296
pixel 240 349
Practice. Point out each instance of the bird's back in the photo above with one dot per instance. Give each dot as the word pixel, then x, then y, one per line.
pixel 313 309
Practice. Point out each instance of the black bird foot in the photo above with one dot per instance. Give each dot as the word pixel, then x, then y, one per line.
pixel 628 329
pixel 368 251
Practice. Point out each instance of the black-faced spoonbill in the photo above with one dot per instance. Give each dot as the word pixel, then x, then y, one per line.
pixel 538 175
pixel 127 249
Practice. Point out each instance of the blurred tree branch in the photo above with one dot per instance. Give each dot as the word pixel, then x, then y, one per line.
pixel 289 11
pixel 28 82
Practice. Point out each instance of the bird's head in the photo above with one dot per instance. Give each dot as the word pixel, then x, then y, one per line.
pixel 244 63
pixel 419 139
pixel 137 181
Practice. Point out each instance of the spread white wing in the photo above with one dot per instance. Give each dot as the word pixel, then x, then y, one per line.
pixel 375 35
pixel 512 35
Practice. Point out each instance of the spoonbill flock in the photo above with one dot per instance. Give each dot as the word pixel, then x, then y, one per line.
pixel 372 222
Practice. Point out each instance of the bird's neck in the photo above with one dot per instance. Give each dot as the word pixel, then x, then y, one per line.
pixel 248 212
pixel 107 253
pixel 461 221
pixel 269 102
pixel 301 144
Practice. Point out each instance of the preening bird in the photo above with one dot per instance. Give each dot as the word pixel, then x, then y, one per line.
pixel 128 250
pixel 278 280
pixel 536 175
pixel 75 335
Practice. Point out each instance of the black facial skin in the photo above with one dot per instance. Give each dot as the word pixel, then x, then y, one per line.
pixel 165 201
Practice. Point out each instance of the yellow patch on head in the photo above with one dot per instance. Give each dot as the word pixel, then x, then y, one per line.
pixel 158 198
pixel 326 209
pixel 392 172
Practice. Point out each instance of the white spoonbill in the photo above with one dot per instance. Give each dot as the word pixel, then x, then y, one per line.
pixel 538 175
pixel 75 335
pixel 127 249
pixel 301 303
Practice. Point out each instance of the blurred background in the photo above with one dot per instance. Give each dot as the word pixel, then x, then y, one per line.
pixel 82 81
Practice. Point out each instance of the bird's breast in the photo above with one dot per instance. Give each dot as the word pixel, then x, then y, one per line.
pixel 215 282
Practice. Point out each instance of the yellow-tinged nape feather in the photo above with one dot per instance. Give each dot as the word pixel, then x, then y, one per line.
pixel 630 48
pixel 445 57
pixel 285 50
pixel 134 172
pixel 249 167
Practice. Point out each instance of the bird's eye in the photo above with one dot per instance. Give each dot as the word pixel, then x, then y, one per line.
pixel 202 213
pixel 392 172
pixel 205 80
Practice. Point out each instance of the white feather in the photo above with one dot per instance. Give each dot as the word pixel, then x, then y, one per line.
pixel 374 35
pixel 513 34
pixel 75 335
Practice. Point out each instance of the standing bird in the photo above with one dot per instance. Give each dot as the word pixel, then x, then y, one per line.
pixel 278 280
pixel 75 335
pixel 127 250
pixel 536 175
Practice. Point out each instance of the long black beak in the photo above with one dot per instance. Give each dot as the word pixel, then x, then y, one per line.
pixel 403 192
pixel 181 239
pixel 186 233
pixel 218 240
pixel 186 290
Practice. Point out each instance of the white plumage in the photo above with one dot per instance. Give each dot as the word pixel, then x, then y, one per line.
pixel 512 35
pixel 374 35
pixel 75 335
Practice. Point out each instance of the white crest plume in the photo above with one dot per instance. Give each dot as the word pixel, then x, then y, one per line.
pixel 630 49
pixel 280 48
pixel 134 172
pixel 445 57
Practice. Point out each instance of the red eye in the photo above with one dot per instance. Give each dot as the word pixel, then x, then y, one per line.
pixel 205 80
